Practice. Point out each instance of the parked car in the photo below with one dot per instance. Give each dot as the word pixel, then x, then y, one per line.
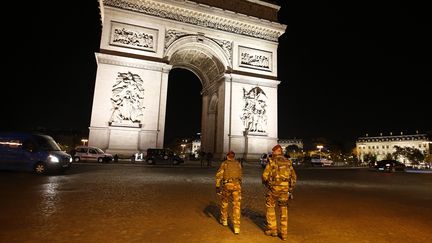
pixel 389 165
pixel 422 166
pixel 295 161
pixel 32 152
pixel 372 164
pixel 90 153
pixel 162 156
pixel 321 161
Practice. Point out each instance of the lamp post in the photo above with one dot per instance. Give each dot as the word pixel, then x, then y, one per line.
pixel 319 147
pixel 84 141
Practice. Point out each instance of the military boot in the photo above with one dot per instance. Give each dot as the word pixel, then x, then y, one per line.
pixel 284 237
pixel 270 232
pixel 223 222
pixel 236 230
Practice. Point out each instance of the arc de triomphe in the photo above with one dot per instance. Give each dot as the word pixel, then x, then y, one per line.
pixel 231 46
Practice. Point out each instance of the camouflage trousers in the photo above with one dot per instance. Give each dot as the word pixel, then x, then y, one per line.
pixel 231 191
pixel 277 194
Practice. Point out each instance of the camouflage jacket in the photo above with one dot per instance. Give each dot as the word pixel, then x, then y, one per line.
pixel 229 171
pixel 279 172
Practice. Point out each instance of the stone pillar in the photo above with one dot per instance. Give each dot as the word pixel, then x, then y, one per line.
pixel 162 106
pixel 124 136
pixel 249 144
pixel 210 133
pixel 204 122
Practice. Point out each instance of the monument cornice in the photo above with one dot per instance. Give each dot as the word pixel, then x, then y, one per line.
pixel 132 62
pixel 270 4
pixel 199 14
pixel 265 82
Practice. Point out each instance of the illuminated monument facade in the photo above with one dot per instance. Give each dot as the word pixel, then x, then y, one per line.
pixel 231 51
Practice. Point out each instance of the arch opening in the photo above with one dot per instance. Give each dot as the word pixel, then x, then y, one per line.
pixel 208 68
pixel 183 109
pixel 200 55
pixel 202 60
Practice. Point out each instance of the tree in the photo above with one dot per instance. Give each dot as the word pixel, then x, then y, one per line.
pixel 414 155
pixel 389 156
pixel 371 158
pixel 354 152
pixel 294 151
pixel 428 159
pixel 292 148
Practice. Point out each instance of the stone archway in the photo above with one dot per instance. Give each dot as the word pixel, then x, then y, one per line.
pixel 234 56
pixel 207 61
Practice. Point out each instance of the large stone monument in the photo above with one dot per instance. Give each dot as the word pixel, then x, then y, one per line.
pixel 231 46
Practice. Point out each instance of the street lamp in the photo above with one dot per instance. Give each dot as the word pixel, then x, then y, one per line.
pixel 319 147
pixel 84 141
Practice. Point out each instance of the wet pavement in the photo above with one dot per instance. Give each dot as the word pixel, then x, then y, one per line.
pixel 140 203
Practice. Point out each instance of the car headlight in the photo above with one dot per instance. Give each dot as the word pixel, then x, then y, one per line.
pixel 53 159
pixel 70 160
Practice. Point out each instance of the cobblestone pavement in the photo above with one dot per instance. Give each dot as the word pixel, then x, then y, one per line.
pixel 141 203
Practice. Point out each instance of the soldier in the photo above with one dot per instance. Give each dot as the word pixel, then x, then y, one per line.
pixel 279 177
pixel 228 184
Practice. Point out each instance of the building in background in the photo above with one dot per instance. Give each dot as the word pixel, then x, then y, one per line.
pixel 285 143
pixel 383 146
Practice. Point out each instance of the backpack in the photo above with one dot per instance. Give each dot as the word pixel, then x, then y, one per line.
pixel 281 169
pixel 232 170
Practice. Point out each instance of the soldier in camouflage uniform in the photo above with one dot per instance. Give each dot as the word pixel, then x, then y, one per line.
pixel 228 184
pixel 279 177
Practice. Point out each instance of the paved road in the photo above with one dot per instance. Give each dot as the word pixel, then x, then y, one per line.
pixel 141 203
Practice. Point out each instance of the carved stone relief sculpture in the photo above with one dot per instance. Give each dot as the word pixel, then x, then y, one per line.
pixel 173 35
pixel 226 46
pixel 127 100
pixel 196 18
pixel 132 36
pixel 256 59
pixel 254 113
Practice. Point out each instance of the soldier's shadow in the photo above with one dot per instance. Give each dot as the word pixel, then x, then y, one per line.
pixel 256 217
pixel 212 211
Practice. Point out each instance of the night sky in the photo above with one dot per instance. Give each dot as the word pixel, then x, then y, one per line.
pixel 347 68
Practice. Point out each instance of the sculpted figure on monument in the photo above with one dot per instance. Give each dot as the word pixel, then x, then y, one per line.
pixel 254 115
pixel 127 99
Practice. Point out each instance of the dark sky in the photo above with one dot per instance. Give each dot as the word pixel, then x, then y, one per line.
pixel 355 67
pixel 347 68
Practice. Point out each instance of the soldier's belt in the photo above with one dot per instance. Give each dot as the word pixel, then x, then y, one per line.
pixel 281 179
pixel 231 180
